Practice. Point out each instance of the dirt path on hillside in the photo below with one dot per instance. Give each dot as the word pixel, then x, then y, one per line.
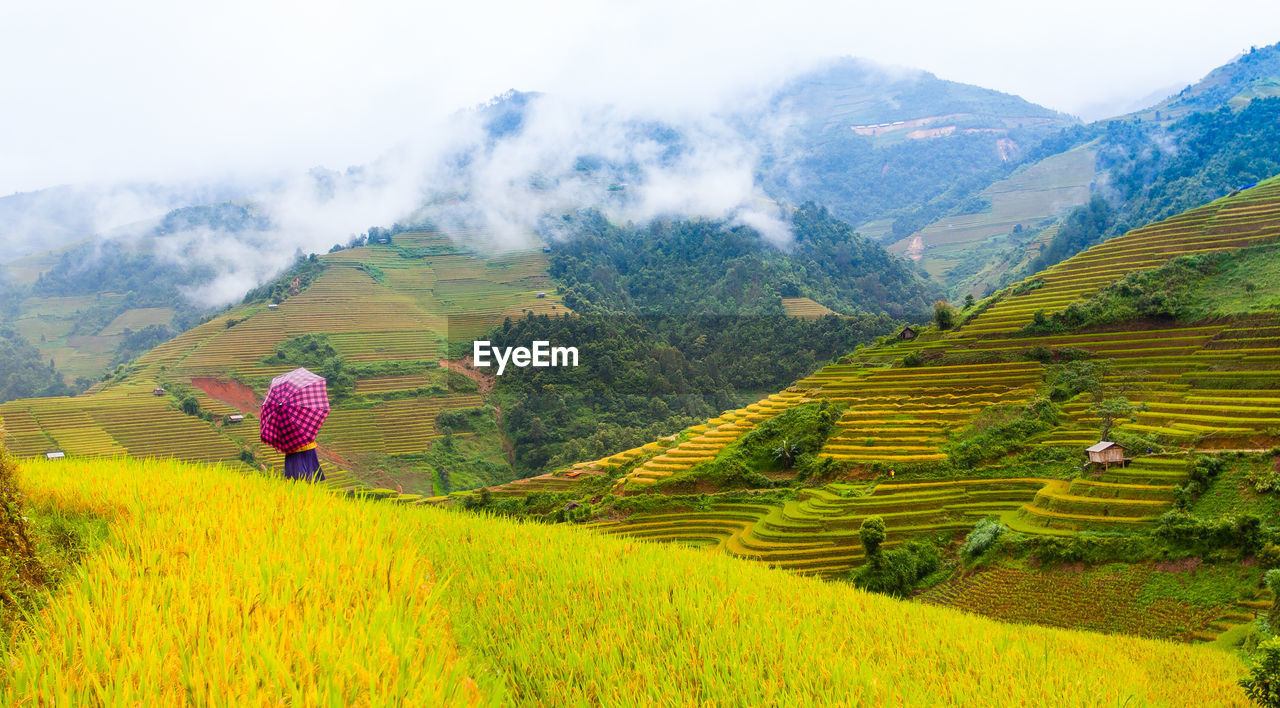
pixel 231 392
pixel 463 366
pixel 485 382
pixel 915 248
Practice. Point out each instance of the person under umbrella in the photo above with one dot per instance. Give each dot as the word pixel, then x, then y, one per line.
pixel 293 411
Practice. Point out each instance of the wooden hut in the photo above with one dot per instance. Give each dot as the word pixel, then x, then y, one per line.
pixel 235 418
pixel 55 454
pixel 907 334
pixel 1106 453
pixel 157 391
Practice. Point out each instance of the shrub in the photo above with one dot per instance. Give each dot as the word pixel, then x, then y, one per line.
pixel 999 430
pixel 20 568
pixel 1183 531
pixel 1269 556
pixel 1264 480
pixel 1263 682
pixel 982 537
pixel 1202 470
pixel 1028 286
pixel 928 560
pixel 913 359
pixel 944 315
pixel 798 431
pixel 899 571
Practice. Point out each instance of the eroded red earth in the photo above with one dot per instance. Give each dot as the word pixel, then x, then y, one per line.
pixel 231 392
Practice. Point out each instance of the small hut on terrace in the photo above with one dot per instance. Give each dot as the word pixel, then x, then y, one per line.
pixel 1106 453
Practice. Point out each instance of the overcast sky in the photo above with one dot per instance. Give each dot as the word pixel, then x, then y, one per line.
pixel 101 91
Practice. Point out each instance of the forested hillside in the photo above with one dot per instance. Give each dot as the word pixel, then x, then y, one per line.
pixel 876 143
pixel 677 320
pixel 23 373
pixel 1254 74
pixel 704 267
pixel 1154 172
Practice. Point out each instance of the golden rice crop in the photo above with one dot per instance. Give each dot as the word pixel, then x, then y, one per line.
pixel 224 589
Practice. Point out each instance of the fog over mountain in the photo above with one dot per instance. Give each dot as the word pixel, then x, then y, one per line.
pixel 148 107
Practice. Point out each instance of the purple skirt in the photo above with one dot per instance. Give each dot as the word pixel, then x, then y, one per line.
pixel 303 465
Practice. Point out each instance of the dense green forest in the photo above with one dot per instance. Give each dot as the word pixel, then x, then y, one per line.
pixel 695 267
pixel 680 320
pixel 115 267
pixel 23 373
pixel 1215 152
pixel 641 378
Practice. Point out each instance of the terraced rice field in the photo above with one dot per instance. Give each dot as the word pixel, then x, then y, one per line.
pixel 818 533
pixel 387 384
pixel 138 318
pixel 1196 387
pixel 395 427
pixel 1104 599
pixel 398 302
pixel 706 441
pixel 1121 498
pixel 126 422
pixel 553 482
pixel 388 346
pixel 804 308
pixel 21 433
pixel 904 414
pixel 1249 218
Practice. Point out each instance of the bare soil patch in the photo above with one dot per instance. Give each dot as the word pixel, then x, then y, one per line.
pixel 231 392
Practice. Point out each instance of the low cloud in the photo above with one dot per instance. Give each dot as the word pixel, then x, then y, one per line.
pixel 493 191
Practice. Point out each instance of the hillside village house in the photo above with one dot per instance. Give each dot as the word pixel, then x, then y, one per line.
pixel 1106 453
pixel 907 334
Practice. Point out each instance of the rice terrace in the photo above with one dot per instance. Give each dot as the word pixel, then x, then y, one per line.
pixel 718 371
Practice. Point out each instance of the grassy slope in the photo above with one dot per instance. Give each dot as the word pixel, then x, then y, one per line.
pixel 1247 284
pixel 321 600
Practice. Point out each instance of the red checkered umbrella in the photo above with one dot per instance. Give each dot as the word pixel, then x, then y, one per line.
pixel 296 405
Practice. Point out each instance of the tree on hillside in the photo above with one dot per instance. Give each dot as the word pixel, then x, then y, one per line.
pixel 1110 410
pixel 786 452
pixel 872 534
pixel 944 315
